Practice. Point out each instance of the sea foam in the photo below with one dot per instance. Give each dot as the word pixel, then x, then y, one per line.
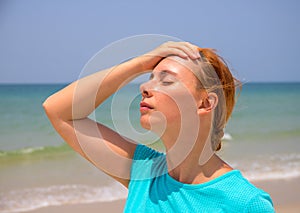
pixel 33 198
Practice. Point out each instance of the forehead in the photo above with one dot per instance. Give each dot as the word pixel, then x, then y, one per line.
pixel 179 67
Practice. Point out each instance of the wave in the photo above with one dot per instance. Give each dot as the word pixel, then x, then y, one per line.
pixel 227 137
pixel 34 198
pixel 34 151
pixel 30 151
pixel 279 166
pixel 273 175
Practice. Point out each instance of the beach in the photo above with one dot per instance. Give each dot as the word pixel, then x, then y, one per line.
pixel 40 173
pixel 33 174
pixel 285 195
pixel 116 207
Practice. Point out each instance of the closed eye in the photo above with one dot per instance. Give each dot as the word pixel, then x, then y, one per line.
pixel 166 83
pixel 151 76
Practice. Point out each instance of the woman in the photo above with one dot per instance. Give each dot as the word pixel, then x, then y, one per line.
pixel 187 102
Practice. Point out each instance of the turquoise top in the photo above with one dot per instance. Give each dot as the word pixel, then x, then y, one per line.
pixel 152 189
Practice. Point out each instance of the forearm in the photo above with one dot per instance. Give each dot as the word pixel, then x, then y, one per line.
pixel 80 98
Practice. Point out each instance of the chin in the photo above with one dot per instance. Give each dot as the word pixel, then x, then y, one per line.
pixel 145 123
pixel 157 125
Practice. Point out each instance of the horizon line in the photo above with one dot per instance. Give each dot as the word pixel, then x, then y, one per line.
pixel 48 83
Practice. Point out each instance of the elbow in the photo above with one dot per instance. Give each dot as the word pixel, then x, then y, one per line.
pixel 49 108
pixel 45 104
pixel 54 110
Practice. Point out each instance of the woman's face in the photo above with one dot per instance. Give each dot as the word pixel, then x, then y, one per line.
pixel 170 96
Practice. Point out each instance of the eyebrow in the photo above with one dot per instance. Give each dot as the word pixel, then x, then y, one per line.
pixel 163 73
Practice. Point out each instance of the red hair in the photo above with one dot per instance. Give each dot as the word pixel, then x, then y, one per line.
pixel 225 87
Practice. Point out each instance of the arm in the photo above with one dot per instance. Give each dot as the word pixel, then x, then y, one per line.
pixel 68 110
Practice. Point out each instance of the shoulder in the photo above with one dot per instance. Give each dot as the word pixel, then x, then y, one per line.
pixel 251 198
pixel 147 163
pixel 261 202
pixel 143 152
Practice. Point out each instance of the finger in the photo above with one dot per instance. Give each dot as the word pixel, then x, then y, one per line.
pixel 192 48
pixel 188 48
pixel 179 52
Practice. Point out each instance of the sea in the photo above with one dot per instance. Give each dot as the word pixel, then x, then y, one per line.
pixel 37 169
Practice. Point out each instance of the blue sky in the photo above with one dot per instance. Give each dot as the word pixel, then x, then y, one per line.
pixel 50 41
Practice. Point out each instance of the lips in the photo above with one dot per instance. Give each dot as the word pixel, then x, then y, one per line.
pixel 144 104
pixel 144 107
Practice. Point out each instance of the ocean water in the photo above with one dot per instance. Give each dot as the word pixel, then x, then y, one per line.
pixel 37 169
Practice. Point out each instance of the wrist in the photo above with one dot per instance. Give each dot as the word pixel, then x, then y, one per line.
pixel 148 62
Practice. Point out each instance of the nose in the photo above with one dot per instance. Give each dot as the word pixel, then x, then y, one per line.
pixel 145 90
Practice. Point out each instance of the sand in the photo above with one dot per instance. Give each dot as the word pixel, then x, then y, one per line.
pixel 285 195
pixel 110 207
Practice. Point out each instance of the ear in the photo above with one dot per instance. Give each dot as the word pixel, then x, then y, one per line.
pixel 208 104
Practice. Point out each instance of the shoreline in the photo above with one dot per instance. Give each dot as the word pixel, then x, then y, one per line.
pixel 284 193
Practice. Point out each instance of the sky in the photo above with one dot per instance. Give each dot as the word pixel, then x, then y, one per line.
pixel 51 41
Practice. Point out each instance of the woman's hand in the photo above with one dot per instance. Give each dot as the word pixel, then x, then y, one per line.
pixel 181 49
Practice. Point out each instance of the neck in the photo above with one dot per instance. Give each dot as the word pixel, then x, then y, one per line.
pixel 184 161
pixel 190 172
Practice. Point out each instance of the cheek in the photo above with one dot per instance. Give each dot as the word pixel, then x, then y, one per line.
pixel 175 105
pixel 169 107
